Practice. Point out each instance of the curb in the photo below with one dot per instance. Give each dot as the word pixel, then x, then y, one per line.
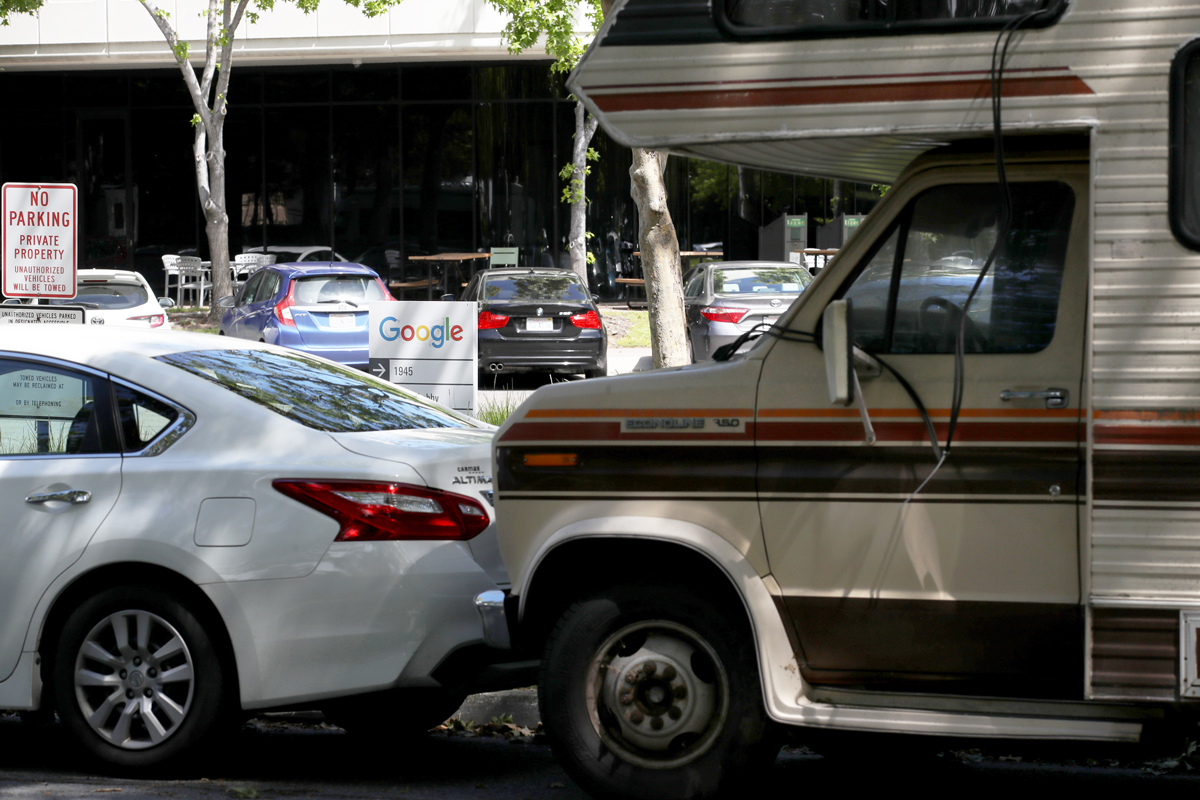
pixel 520 703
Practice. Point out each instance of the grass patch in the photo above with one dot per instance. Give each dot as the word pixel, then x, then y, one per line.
pixel 634 328
pixel 498 408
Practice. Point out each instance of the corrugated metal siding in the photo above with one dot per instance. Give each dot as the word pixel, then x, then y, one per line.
pixel 1135 654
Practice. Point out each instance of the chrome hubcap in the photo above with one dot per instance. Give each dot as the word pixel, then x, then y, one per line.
pixel 134 679
pixel 657 694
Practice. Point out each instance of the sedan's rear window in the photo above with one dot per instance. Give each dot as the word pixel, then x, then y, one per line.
pixel 316 289
pixel 535 288
pixel 318 395
pixel 107 295
pixel 751 281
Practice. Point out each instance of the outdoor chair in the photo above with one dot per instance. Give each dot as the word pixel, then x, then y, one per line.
pixel 193 279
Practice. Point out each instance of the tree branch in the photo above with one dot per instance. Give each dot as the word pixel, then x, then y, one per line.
pixel 185 66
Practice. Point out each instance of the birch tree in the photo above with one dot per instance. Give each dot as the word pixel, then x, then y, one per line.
pixel 528 22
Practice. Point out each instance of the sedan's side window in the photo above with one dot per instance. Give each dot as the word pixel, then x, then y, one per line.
pixel 48 410
pixel 695 287
pixel 909 297
pixel 142 417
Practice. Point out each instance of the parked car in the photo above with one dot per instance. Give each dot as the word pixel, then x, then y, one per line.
pixel 537 319
pixel 299 252
pixel 199 527
pixel 724 299
pixel 318 308
pixel 118 297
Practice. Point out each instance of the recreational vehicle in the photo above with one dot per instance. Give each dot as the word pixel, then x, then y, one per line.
pixel 955 489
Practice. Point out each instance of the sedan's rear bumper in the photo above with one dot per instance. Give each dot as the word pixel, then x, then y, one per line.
pixel 577 355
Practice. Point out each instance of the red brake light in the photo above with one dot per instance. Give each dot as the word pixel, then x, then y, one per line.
pixel 283 310
pixel 589 320
pixel 387 295
pixel 369 511
pixel 488 320
pixel 155 320
pixel 724 314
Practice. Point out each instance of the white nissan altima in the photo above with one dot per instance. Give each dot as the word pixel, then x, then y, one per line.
pixel 197 528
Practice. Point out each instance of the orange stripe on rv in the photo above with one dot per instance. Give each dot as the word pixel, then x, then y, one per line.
pixel 915 91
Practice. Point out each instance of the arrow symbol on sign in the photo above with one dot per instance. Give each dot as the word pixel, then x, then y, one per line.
pixel 378 370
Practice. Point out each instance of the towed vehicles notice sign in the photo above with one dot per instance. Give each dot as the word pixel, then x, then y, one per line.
pixel 39 254
pixel 53 315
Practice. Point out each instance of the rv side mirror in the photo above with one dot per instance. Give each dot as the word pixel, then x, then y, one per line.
pixel 837 340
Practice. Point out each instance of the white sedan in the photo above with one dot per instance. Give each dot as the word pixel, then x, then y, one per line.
pixel 118 297
pixel 198 527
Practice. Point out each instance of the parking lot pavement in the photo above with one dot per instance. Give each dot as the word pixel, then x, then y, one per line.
pixel 276 759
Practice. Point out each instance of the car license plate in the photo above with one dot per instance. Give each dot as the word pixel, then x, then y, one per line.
pixel 539 324
pixel 341 320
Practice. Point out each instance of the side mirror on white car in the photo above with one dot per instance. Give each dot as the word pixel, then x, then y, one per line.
pixel 837 335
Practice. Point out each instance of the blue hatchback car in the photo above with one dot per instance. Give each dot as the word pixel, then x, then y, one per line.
pixel 318 308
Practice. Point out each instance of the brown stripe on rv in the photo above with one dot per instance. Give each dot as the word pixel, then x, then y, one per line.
pixel 659 468
pixel 1135 653
pixel 1146 475
pixel 908 92
pixel 900 470
pixel 825 431
pixel 945 646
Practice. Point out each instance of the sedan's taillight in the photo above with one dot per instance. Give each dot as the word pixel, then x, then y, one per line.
pixel 155 320
pixel 724 314
pixel 369 511
pixel 488 321
pixel 283 310
pixel 589 320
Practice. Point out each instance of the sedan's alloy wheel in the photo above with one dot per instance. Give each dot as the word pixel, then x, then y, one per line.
pixel 134 679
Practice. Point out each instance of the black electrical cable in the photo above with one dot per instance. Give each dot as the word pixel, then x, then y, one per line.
pixel 1004 223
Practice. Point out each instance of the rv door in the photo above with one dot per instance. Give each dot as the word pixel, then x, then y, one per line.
pixel 972 583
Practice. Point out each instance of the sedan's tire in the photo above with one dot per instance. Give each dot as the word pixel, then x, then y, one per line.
pixel 137 677
pixel 653 692
pixel 398 714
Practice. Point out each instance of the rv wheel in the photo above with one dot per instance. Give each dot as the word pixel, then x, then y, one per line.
pixel 651 692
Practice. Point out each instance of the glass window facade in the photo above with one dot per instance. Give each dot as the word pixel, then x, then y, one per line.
pixel 377 163
pixel 849 17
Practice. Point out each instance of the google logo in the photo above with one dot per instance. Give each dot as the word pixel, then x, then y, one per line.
pixel 434 334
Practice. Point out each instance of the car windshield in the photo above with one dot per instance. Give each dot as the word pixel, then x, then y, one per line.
pixel 319 395
pixel 535 288
pixel 761 279
pixel 107 295
pixel 316 289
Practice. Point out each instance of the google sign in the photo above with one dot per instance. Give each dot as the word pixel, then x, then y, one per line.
pixel 430 348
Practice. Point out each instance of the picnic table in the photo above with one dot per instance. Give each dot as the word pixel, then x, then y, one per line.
pixel 428 283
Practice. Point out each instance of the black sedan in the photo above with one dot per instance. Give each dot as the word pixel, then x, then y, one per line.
pixel 537 319
pixel 724 299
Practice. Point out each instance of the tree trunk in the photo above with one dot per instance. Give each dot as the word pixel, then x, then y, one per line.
pixel 660 259
pixel 585 129
pixel 216 220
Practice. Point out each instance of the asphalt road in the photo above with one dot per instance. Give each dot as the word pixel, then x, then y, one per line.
pixel 271 760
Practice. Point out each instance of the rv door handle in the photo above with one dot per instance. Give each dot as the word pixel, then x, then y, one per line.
pixel 1055 398
pixel 73 496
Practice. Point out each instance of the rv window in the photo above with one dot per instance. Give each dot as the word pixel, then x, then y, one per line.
pixel 808 18
pixel 1184 169
pixel 907 296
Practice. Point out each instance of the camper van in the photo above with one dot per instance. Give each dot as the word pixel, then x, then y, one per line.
pixel 955 489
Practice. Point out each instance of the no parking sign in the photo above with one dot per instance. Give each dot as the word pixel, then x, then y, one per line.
pixel 39 254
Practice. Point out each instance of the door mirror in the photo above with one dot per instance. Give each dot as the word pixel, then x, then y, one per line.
pixel 225 302
pixel 837 341
pixel 166 302
pixel 447 298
